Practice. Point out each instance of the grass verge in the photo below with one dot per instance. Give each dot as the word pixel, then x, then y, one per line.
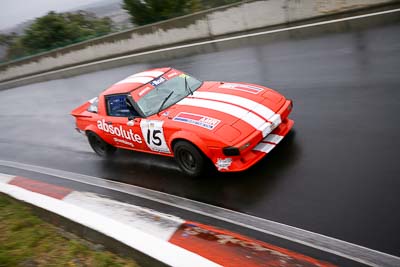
pixel 28 241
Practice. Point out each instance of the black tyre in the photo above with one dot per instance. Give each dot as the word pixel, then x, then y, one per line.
pixel 189 158
pixel 99 146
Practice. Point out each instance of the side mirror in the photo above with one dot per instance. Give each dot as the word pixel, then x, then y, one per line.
pixel 131 121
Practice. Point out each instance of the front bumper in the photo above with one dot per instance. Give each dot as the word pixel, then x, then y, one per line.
pixel 279 127
pixel 251 157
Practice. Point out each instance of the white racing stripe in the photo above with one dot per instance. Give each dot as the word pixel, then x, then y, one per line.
pixel 264 147
pixel 253 109
pixel 156 248
pixel 229 109
pixel 153 74
pixel 267 147
pixel 266 128
pixel 257 108
pixel 273 138
pixel 276 120
pixel 132 79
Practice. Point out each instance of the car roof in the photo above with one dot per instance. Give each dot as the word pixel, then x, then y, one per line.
pixel 135 81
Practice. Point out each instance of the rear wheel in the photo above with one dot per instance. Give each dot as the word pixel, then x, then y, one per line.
pixel 189 158
pixel 99 146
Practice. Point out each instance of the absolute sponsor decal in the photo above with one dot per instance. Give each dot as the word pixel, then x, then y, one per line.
pixel 196 119
pixel 119 131
pixel 242 87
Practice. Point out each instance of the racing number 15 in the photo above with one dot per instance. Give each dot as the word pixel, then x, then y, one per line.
pixel 153 134
pixel 153 138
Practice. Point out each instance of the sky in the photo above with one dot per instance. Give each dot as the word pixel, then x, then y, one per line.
pixel 13 12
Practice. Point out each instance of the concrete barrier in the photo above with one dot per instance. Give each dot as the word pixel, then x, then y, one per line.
pixel 225 21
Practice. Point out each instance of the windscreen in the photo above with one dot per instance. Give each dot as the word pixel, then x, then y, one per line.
pixel 167 93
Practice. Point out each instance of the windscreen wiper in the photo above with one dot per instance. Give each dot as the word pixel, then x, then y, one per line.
pixel 187 87
pixel 164 101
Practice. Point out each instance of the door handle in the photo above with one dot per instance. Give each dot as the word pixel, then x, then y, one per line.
pixel 109 122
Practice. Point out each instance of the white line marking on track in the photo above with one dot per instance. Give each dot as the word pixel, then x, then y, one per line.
pixel 211 41
pixel 324 243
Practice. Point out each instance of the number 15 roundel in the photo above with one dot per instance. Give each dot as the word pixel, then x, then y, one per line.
pixel 153 134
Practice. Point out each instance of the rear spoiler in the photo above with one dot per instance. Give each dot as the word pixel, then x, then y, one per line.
pixel 81 111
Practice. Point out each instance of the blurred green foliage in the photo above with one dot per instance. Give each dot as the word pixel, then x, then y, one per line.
pixel 148 11
pixel 56 30
pixel 7 39
pixel 26 240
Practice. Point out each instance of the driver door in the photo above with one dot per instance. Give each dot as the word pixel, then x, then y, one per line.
pixel 120 132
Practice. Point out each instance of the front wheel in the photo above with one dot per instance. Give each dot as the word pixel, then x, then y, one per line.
pixel 189 158
pixel 99 146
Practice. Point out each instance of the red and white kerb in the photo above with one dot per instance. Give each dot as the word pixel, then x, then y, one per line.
pixel 165 237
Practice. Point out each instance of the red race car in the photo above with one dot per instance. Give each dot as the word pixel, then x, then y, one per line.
pixel 167 112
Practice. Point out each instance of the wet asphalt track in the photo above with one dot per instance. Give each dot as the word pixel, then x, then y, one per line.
pixel 336 174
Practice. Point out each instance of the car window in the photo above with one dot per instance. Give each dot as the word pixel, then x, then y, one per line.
pixel 118 107
pixel 93 105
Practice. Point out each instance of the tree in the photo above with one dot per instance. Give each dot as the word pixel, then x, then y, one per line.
pixel 148 11
pixel 59 29
pixel 7 39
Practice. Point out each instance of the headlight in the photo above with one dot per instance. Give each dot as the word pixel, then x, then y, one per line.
pixel 244 146
pixel 234 151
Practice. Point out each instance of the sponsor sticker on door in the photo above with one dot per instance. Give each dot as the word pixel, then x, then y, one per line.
pixel 198 120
